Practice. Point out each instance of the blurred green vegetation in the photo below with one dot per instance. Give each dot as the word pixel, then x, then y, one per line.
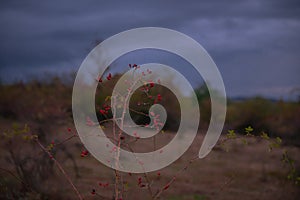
pixel 47 102
pixel 35 100
pixel 278 118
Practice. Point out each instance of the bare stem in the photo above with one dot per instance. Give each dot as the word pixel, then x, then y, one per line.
pixel 174 177
pixel 69 138
pixel 60 168
pixel 16 177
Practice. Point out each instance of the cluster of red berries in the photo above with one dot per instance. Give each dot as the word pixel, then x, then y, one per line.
pixel 151 84
pixel 84 153
pixel 158 98
pixel 140 184
pixel 108 77
pixel 145 89
pixel 148 86
pixel 105 109
pixel 134 66
pixel 104 185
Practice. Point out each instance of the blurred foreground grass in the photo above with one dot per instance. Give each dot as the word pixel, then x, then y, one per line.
pixel 245 172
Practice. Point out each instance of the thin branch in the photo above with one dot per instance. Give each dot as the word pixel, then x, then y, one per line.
pixel 102 197
pixel 69 138
pixel 138 112
pixel 16 177
pixel 174 177
pixel 60 168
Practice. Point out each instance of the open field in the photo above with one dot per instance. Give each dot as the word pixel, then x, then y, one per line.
pixel 234 171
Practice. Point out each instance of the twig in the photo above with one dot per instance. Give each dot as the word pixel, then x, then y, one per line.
pixel 148 185
pixel 69 138
pixel 102 197
pixel 227 183
pixel 174 177
pixel 60 168
pixel 16 177
pixel 138 112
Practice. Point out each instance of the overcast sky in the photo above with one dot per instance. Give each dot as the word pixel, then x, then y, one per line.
pixel 255 43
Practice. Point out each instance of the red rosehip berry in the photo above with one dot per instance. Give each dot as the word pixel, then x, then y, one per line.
pixel 166 187
pixel 109 76
pixel 103 112
pixel 159 97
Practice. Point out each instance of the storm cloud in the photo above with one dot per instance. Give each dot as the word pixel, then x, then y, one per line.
pixel 254 43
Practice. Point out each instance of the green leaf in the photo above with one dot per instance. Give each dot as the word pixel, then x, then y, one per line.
pixel 264 136
pixel 231 134
pixel 276 143
pixel 278 140
pixel 248 130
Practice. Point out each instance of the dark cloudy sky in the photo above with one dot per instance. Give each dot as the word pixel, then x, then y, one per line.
pixel 255 43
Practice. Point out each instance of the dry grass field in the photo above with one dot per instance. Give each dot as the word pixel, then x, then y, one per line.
pixel 234 171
